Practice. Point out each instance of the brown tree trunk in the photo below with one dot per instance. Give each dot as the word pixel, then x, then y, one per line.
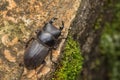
pixel 86 31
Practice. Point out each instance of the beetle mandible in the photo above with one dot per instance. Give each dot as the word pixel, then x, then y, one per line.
pixel 45 41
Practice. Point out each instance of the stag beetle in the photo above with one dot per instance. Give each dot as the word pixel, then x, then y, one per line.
pixel 39 48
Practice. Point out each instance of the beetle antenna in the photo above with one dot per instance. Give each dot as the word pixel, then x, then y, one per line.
pixel 52 20
pixel 62 26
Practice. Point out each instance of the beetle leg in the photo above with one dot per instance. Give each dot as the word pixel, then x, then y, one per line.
pixel 21 64
pixel 56 44
pixel 29 42
pixel 43 62
pixel 39 70
pixel 52 20
pixel 61 27
pixel 55 47
pixel 37 31
pixel 63 38
pixel 51 57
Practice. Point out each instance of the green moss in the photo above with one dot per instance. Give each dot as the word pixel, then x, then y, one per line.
pixel 98 22
pixel 71 62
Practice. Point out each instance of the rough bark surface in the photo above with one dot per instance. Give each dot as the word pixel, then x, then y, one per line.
pixel 83 30
pixel 18 21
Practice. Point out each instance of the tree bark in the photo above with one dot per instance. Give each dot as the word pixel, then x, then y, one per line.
pixel 20 19
pixel 83 30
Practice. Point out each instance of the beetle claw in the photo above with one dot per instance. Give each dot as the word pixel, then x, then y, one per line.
pixel 21 64
pixel 27 43
pixel 37 31
pixel 43 62
pixel 54 62
pixel 62 26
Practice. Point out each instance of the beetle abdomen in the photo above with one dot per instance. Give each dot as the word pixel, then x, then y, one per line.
pixel 35 54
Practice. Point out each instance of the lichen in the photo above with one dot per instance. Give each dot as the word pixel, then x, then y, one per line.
pixel 13 30
pixel 71 63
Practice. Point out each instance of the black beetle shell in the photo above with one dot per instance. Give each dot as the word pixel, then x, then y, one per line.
pixel 35 55
pixel 46 38
pixel 52 30
pixel 40 47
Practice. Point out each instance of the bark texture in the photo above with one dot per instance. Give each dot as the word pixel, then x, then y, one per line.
pixel 84 30
pixel 19 20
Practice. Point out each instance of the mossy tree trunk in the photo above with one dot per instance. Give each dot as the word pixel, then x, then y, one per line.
pixel 87 29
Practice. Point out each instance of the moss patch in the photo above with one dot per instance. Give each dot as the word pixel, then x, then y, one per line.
pixel 71 62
